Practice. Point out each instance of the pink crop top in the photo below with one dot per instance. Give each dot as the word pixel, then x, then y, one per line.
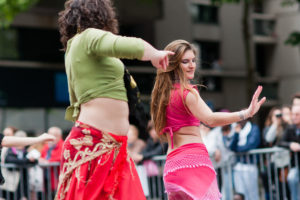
pixel 178 115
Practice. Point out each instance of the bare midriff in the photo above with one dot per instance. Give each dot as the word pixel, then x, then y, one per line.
pixel 185 135
pixel 106 114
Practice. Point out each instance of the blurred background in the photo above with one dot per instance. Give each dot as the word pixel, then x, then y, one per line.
pixel 241 44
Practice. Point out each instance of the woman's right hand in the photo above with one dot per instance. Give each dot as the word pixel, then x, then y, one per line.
pixel 160 59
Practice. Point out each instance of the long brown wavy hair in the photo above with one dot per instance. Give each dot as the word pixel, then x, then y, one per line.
pixel 164 84
pixel 79 15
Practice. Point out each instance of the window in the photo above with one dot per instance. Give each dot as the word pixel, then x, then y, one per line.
pixel 209 55
pixel 31 44
pixel 258 7
pixel 40 45
pixel 212 84
pixel 264 27
pixel 9 44
pixel 28 87
pixel 204 14
pixel 61 87
pixel 263 58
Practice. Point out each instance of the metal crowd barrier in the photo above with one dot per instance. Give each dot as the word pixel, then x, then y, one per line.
pixel 39 182
pixel 272 164
pixel 29 182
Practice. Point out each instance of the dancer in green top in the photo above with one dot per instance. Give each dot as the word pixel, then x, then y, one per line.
pixel 95 162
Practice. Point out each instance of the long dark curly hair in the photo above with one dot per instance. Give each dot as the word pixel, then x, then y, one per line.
pixel 79 15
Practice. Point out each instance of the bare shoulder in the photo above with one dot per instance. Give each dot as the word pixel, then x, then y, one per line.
pixel 192 97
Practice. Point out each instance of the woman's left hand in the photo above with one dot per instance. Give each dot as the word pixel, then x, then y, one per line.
pixel 255 104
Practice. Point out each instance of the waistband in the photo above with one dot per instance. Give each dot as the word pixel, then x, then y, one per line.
pixel 172 129
pixel 191 147
pixel 98 133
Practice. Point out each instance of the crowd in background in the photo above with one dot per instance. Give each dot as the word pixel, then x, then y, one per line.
pixel 281 128
pixel 29 161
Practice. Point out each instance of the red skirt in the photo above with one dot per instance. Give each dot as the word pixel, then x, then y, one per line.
pixel 95 165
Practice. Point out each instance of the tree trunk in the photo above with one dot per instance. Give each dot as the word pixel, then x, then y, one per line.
pixel 248 51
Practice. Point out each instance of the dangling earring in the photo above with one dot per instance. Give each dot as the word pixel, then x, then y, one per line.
pixel 78 29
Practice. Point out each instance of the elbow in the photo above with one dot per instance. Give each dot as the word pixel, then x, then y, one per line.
pixel 211 123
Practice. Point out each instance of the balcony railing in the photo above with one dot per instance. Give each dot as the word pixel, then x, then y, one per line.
pixel 264 28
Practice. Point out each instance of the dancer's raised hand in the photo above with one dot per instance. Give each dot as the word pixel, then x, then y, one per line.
pixel 161 59
pixel 158 58
pixel 255 103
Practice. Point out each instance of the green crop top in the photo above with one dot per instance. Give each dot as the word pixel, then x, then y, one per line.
pixel 94 69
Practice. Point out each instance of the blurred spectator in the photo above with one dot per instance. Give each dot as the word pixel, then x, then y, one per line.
pixel 245 138
pixel 238 196
pixel 225 159
pixel 296 99
pixel 51 152
pixel 9 131
pixel 135 145
pixel 223 144
pixel 149 168
pixel 209 137
pixel 153 146
pixel 273 130
pixel 272 135
pixel 17 155
pixel 286 116
pixel 36 180
pixel 291 140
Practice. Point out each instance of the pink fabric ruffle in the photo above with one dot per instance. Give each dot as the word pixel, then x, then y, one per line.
pixel 189 174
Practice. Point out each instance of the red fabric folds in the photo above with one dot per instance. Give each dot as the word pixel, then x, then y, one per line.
pixel 95 165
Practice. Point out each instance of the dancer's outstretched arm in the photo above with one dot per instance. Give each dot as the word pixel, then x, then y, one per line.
pixel 200 110
pixel 158 58
pixel 13 141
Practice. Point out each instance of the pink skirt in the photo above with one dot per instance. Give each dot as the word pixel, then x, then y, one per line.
pixel 189 174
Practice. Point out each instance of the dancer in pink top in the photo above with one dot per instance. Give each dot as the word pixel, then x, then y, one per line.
pixel 177 110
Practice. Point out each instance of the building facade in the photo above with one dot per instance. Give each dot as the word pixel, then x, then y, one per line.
pixel 32 70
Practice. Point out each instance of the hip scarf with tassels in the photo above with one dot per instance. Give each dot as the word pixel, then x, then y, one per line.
pixel 95 165
pixel 189 174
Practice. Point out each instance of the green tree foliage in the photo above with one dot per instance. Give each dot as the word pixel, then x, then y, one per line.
pixel 294 37
pixel 10 8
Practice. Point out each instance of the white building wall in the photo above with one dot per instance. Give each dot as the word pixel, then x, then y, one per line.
pixel 286 60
